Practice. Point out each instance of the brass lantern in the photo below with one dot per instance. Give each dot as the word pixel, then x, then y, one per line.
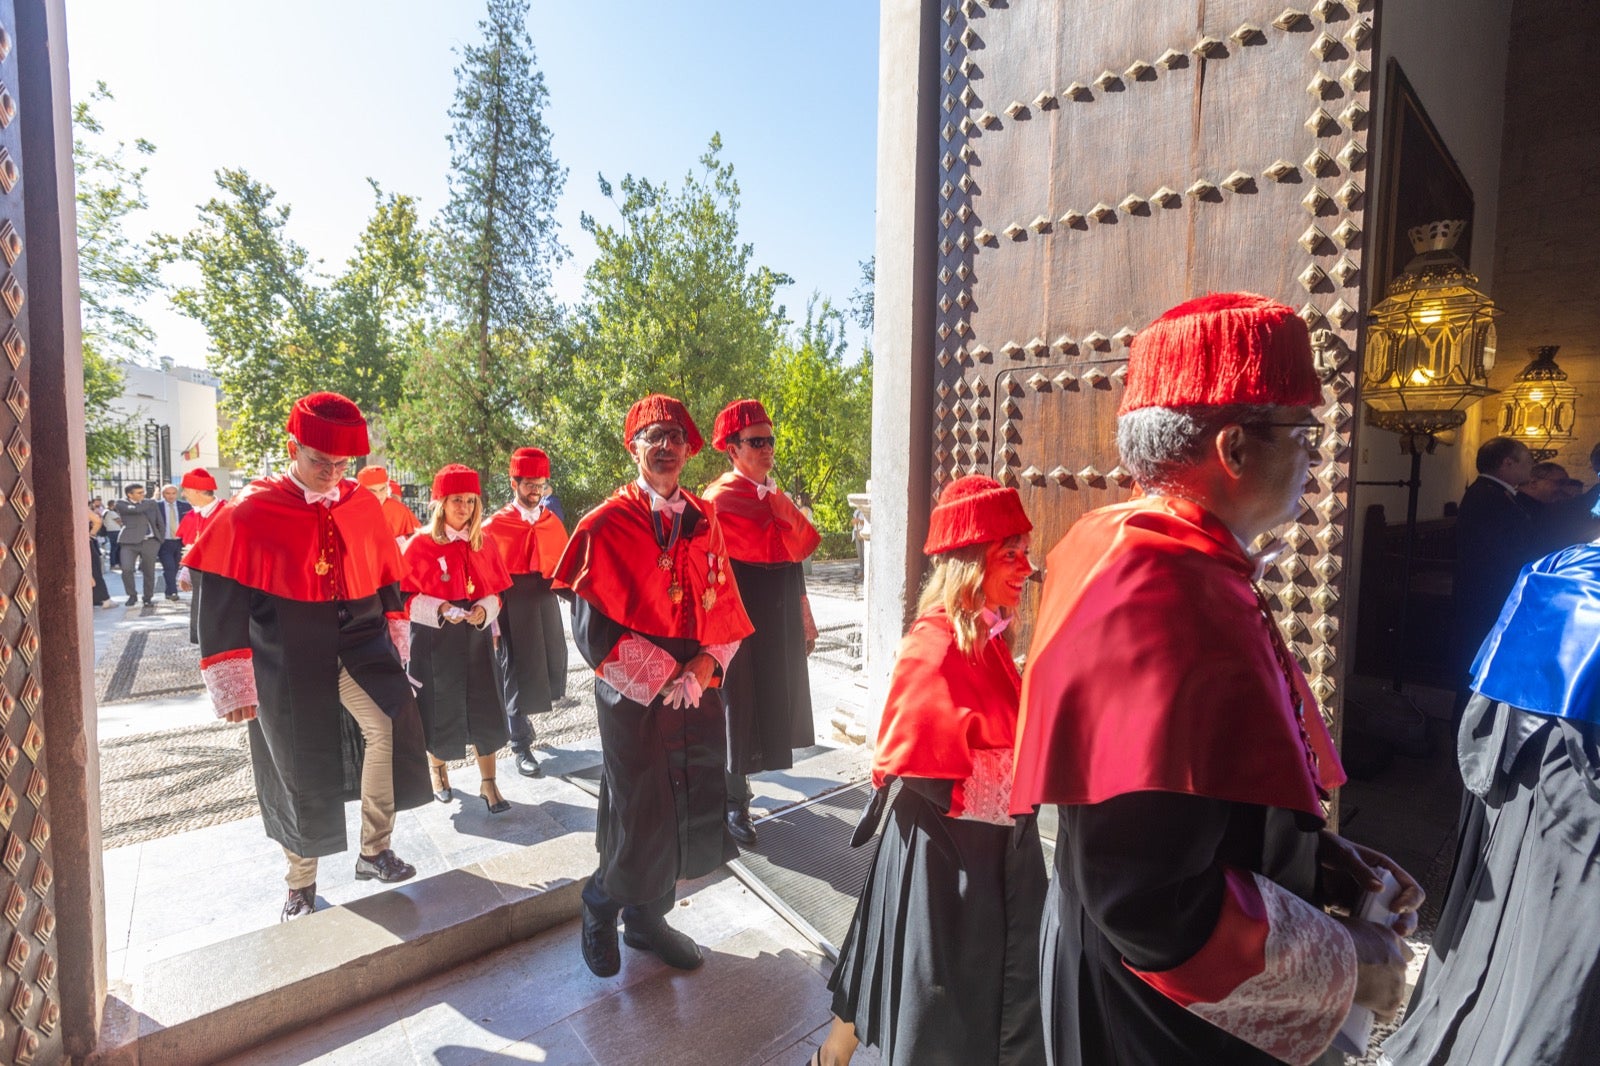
pixel 1431 341
pixel 1541 408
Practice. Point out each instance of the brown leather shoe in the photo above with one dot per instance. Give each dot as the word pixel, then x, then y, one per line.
pixel 384 866
pixel 301 901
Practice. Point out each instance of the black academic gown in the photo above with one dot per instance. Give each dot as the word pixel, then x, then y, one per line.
pixel 1514 973
pixel 461 696
pixel 1495 537
pixel 305 750
pixel 662 793
pixel 768 688
pixel 1115 897
pixel 533 647
pixel 946 898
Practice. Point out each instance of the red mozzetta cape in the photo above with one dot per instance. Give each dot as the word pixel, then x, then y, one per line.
pixel 611 562
pixel 402 523
pixel 1153 669
pixel 192 524
pixel 270 539
pixel 527 547
pixel 771 530
pixel 944 705
pixel 452 571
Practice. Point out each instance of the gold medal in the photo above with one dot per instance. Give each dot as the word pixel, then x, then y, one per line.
pixel 708 598
pixel 675 592
pixel 471 588
pixel 665 562
pixel 721 578
pixel 323 566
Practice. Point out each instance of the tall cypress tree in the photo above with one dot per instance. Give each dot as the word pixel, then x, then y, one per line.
pixel 467 400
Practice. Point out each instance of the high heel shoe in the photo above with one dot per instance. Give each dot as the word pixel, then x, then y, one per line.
pixel 441 782
pixel 494 808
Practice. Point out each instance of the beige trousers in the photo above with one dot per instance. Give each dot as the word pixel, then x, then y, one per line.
pixel 377 780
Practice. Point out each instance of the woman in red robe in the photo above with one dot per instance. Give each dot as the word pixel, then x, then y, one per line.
pixel 941 961
pixel 453 580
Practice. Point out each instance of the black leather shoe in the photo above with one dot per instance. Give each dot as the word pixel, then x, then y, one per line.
pixel 132 600
pixel 301 901
pixel 172 595
pixel 600 951
pixel 671 947
pixel 149 603
pixel 384 866
pixel 527 765
pixel 740 826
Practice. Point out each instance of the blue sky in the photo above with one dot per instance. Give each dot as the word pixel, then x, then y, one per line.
pixel 315 96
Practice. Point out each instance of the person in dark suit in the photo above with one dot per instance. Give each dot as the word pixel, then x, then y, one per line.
pixel 139 543
pixel 1495 537
pixel 172 512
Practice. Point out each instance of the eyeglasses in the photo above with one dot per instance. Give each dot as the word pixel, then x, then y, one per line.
pixel 757 442
pixel 655 438
pixel 327 466
pixel 1307 434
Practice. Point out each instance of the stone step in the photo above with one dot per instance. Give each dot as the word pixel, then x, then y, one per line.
pixel 207 1004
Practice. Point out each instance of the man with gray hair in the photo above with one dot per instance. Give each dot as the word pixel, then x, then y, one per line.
pixel 1164 715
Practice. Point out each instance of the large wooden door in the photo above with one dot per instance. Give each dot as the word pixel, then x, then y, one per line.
pixel 1102 162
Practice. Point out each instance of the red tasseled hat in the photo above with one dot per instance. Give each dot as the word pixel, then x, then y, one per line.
pixel 330 423
pixel 372 476
pixel 974 510
pixel 455 479
pixel 530 462
pixel 734 417
pixel 658 408
pixel 1225 348
pixel 199 478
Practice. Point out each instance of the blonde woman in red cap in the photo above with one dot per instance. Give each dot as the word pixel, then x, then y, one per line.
pixel 300 616
pixel 1166 718
pixel 658 615
pixel 768 687
pixel 453 579
pixel 941 962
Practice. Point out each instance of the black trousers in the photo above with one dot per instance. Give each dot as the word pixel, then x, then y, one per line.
pixel 596 899
pixel 169 554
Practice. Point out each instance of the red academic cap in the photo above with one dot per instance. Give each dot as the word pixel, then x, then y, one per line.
pixel 372 476
pixel 330 423
pixel 974 510
pixel 658 408
pixel 530 462
pixel 453 479
pixel 199 478
pixel 734 417
pixel 1225 348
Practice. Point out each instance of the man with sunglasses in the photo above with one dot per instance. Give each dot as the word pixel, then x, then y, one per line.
pixel 768 688
pixel 658 615
pixel 1165 716
pixel 301 622
pixel 532 650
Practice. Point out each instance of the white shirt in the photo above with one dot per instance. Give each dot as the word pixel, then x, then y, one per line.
pixel 674 503
pixel 327 499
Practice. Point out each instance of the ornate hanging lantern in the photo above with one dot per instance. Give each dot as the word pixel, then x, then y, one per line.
pixel 1431 342
pixel 1541 408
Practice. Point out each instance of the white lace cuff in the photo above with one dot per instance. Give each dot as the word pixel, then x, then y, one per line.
pixel 723 653
pixel 986 795
pixel 491 610
pixel 637 668
pixel 424 610
pixel 231 680
pixel 400 637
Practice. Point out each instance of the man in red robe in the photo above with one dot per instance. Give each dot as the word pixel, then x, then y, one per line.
pixel 532 650
pixel 300 617
pixel 658 616
pixel 200 492
pixel 768 687
pixel 1163 713
pixel 401 522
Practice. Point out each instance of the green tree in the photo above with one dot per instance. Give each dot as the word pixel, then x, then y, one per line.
pixel 278 329
pixel 116 274
pixel 673 303
pixel 821 404
pixel 474 389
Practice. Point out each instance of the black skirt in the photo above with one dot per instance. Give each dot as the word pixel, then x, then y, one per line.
pixel 533 648
pixel 461 697
pixel 941 964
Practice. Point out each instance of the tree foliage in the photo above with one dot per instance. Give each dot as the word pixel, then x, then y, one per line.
pixel 116 274
pixel 821 404
pixel 474 387
pixel 278 328
pixel 673 303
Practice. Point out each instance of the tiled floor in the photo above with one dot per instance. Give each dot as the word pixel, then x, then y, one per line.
pixel 760 998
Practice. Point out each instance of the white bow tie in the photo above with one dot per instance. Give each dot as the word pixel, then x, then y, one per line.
pixel 327 499
pixel 530 515
pixel 997 624
pixel 674 505
pixel 453 535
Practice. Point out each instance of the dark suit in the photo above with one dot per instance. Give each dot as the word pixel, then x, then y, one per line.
pixel 139 543
pixel 171 547
pixel 1495 538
